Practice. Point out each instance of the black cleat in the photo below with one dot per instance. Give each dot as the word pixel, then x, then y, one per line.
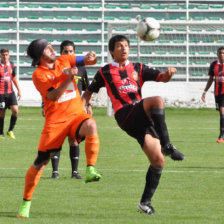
pixel 145 208
pixel 76 175
pixel 55 175
pixel 172 152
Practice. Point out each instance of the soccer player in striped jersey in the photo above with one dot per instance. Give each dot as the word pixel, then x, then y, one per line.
pixel 64 113
pixel 216 72
pixel 143 119
pixel 8 98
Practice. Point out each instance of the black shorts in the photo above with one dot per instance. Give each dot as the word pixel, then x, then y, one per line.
pixel 134 121
pixel 219 101
pixel 7 100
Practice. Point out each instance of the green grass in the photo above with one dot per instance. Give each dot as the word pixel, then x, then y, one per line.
pixel 189 192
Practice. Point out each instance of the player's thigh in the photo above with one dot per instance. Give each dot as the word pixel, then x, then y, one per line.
pixel 152 149
pixel 3 104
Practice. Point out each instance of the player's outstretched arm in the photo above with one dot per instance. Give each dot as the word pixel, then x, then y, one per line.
pixel 165 77
pixel 90 58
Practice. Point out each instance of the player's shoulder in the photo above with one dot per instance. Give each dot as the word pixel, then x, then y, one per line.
pixel 214 63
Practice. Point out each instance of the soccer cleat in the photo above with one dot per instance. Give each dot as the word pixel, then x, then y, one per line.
pixel 2 136
pixel 11 135
pixel 220 140
pixel 172 152
pixel 24 211
pixel 91 174
pixel 55 175
pixel 76 175
pixel 146 208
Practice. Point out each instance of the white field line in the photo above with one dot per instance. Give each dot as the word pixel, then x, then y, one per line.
pixel 128 171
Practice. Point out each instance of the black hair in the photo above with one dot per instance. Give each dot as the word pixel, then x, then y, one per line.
pixel 3 50
pixel 113 40
pixel 66 43
pixel 219 49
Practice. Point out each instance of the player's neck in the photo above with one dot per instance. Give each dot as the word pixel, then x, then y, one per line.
pixel 121 63
pixel 48 65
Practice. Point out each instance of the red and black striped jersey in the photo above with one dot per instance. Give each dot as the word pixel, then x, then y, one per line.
pixel 123 84
pixel 7 72
pixel 216 70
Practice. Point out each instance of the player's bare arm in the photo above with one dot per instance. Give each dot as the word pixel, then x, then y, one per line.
pixel 86 97
pixel 165 77
pixel 90 58
pixel 56 93
pixel 208 85
pixel 15 82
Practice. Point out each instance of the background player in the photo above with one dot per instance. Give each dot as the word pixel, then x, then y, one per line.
pixel 68 47
pixel 143 119
pixel 7 95
pixel 216 71
pixel 64 113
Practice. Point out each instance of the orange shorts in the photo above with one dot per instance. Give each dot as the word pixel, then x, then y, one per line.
pixel 54 134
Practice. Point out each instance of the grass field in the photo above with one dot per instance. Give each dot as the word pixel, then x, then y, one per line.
pixel 190 192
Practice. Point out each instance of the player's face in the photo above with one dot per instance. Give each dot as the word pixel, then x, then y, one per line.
pixel 5 57
pixel 221 56
pixel 121 51
pixel 49 54
pixel 68 50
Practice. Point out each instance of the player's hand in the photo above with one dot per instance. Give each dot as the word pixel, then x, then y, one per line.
pixel 73 72
pixel 203 97
pixel 19 95
pixel 170 71
pixel 90 58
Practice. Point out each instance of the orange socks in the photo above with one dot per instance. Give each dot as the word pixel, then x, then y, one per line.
pixel 31 180
pixel 92 145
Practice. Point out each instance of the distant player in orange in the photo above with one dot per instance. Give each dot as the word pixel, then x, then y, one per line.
pixel 64 113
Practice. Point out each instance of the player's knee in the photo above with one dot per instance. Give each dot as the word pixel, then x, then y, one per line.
pixel 158 161
pixel 158 102
pixel 90 125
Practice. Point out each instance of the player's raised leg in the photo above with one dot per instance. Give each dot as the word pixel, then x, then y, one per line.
pixel 155 109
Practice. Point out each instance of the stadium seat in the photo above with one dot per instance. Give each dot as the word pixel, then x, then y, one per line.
pixel 61 6
pixel 208 41
pixel 47 6
pixel 170 62
pixel 76 17
pixel 194 41
pixel 33 29
pixel 92 41
pixel 171 18
pixel 124 18
pixel 161 52
pixel 4 40
pixel 146 52
pixel 76 6
pixel 175 52
pixel 125 7
pixel 4 6
pixel 91 29
pixel 94 6
pixel 159 7
pixel 110 6
pixel 214 18
pixel 145 7
pixel 62 29
pixel 197 74
pixel 77 40
pixel 157 62
pixel 202 7
pixel 167 29
pixel 47 28
pixel 33 6
pixel 109 17
pixel 199 18
pixel 204 52
pixel 200 62
pixel 4 28
pixel 48 17
pixel 92 17
pixel 164 41
pixel 76 28
pixel 4 17
pixel 178 41
pixel 216 6
pixel 221 41
pixel 62 17
pixel 173 7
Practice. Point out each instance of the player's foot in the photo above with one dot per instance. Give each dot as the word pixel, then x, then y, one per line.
pixel 24 211
pixel 2 136
pixel 220 139
pixel 91 174
pixel 11 135
pixel 55 175
pixel 172 152
pixel 146 208
pixel 76 175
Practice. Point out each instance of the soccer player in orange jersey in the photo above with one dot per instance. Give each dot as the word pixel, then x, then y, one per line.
pixel 64 113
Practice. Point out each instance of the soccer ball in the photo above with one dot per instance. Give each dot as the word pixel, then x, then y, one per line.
pixel 148 29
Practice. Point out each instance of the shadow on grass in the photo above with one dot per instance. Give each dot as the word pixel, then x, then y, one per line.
pixel 8 214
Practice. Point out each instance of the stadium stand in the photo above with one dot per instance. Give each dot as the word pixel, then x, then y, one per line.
pixel 82 23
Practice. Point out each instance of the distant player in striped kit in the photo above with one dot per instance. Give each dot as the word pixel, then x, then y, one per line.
pixel 8 98
pixel 143 119
pixel 216 72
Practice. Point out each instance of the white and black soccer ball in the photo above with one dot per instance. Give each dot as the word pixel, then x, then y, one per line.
pixel 148 29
